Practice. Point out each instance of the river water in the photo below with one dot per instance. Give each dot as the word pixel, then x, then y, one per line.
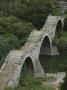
pixel 53 64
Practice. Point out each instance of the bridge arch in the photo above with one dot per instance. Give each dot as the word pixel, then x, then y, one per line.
pixel 59 26
pixel 27 68
pixel 65 24
pixel 58 32
pixel 45 48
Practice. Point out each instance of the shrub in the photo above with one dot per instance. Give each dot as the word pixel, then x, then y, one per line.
pixel 34 11
pixel 13 34
pixel 6 22
pixel 61 42
pixel 22 29
pixel 7 43
pixel 13 25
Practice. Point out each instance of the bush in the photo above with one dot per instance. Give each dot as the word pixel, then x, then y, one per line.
pixel 22 29
pixel 34 11
pixel 61 42
pixel 13 25
pixel 13 34
pixel 7 43
pixel 7 22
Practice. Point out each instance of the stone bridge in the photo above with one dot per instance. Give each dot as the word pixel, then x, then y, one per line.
pixel 39 43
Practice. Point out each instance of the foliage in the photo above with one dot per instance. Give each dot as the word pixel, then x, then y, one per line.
pixel 34 11
pixel 61 42
pixel 13 25
pixel 7 43
pixel 28 84
pixel 13 34
pixel 22 29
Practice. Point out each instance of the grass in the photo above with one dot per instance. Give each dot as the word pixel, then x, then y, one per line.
pixel 30 83
pixel 50 87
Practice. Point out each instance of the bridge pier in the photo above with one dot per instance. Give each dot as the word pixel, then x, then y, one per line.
pixel 54 50
pixel 38 70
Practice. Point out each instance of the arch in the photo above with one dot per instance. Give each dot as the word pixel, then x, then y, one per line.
pixel 65 24
pixel 27 68
pixel 45 48
pixel 59 28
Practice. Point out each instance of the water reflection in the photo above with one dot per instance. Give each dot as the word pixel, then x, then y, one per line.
pixel 54 63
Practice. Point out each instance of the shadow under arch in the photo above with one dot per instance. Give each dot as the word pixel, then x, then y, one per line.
pixel 27 69
pixel 45 51
pixel 58 34
pixel 65 24
pixel 59 28
pixel 45 46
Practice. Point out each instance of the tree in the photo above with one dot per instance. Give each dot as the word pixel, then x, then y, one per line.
pixel 36 11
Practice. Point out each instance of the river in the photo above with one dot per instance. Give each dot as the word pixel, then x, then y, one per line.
pixel 53 64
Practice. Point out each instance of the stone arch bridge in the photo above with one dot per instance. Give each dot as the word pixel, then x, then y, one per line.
pixel 39 42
